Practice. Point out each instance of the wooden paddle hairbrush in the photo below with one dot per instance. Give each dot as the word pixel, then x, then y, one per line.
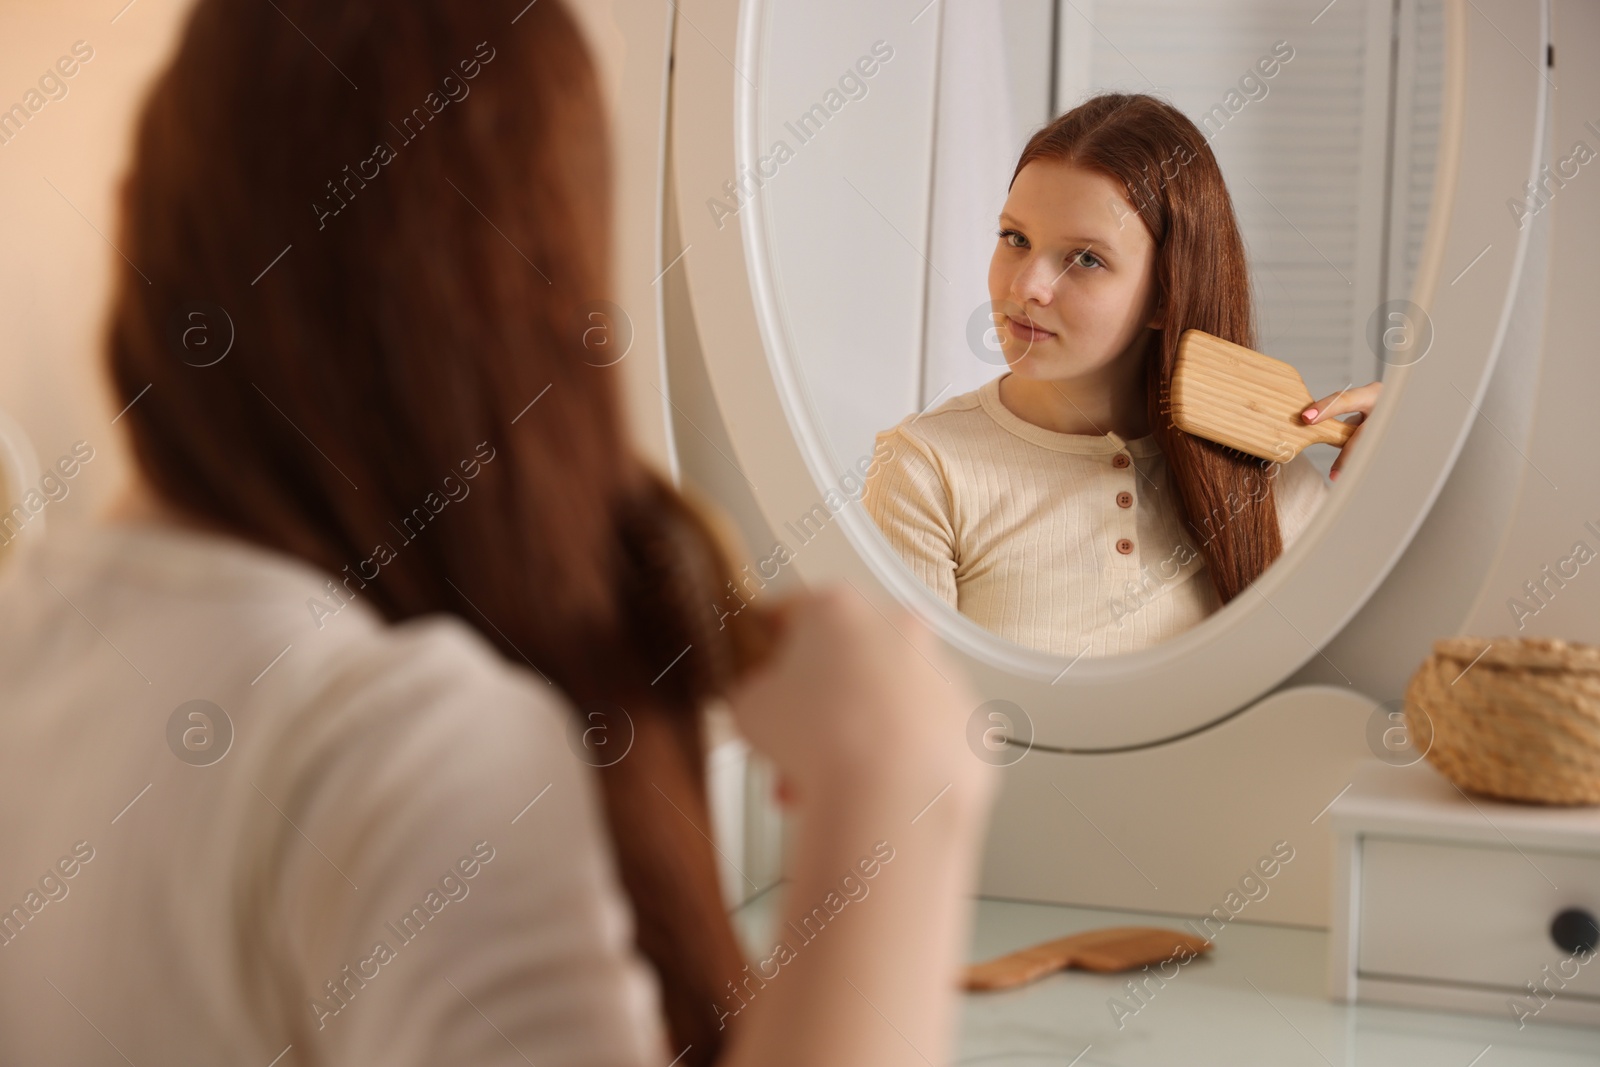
pixel 1241 399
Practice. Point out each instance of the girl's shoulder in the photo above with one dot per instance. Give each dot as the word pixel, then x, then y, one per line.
pixel 1299 492
pixel 950 424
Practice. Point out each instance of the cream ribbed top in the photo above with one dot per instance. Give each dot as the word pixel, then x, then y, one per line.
pixel 1067 543
pixel 402 786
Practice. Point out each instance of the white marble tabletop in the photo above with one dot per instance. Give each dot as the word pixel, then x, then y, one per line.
pixel 1258 998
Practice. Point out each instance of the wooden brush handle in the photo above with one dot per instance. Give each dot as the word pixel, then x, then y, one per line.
pixel 1332 432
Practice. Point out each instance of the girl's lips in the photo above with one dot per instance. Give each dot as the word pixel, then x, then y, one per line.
pixel 1023 332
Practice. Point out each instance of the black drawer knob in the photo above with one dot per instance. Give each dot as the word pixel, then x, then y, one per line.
pixel 1576 931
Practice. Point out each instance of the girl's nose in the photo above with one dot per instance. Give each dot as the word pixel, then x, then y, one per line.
pixel 1034 283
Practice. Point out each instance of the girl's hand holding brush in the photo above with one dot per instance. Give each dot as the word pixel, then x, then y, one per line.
pixel 1360 400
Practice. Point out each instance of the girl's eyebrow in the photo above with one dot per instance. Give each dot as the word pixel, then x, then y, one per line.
pixel 1090 242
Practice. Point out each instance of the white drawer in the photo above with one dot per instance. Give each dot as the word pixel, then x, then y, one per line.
pixel 1469 914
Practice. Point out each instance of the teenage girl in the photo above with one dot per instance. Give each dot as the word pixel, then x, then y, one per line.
pixel 370 731
pixel 1056 505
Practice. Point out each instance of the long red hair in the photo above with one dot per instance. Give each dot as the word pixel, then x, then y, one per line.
pixel 1174 183
pixel 393 309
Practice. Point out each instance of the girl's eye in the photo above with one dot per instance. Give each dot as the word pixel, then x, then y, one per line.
pixel 1087 260
pixel 1013 238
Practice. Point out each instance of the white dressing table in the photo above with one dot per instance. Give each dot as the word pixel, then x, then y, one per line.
pixel 1259 999
pixel 1145 739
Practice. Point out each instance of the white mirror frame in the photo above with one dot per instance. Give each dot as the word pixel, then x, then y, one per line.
pixel 1492 114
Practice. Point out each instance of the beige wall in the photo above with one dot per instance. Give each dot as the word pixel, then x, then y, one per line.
pixel 1565 446
pixel 55 268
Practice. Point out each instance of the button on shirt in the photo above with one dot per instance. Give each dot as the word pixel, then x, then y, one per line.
pixel 1067 543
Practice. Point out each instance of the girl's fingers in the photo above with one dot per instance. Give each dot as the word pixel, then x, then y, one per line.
pixel 1361 398
pixel 1333 472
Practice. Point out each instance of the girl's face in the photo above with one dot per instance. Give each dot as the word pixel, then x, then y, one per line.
pixel 1072 282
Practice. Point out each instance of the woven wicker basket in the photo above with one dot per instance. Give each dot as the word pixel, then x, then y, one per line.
pixel 1520 721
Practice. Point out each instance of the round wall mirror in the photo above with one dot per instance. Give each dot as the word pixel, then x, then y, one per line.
pixel 860 191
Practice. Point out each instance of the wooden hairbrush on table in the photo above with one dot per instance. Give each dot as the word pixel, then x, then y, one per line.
pixel 1119 948
pixel 1239 398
